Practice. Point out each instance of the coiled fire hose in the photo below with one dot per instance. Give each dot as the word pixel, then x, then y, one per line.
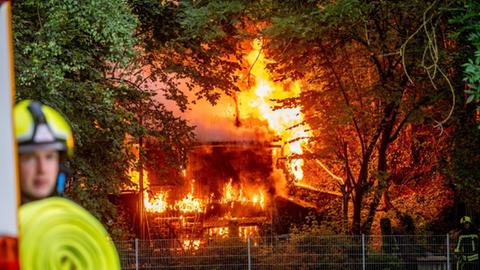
pixel 56 233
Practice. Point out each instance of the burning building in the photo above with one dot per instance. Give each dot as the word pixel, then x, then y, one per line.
pixel 248 152
pixel 227 191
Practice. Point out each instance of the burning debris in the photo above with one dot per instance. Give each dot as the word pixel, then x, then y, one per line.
pixel 190 204
pixel 230 189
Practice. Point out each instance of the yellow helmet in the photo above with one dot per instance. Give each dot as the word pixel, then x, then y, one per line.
pixel 38 126
pixel 465 219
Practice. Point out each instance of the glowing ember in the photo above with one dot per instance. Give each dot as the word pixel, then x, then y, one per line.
pixel 246 231
pixel 190 204
pixel 191 244
pixel 218 232
pixel 287 123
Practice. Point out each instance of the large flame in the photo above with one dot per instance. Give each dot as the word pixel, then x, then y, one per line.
pixel 190 204
pixel 231 195
pixel 287 123
pixel 257 102
pixel 156 204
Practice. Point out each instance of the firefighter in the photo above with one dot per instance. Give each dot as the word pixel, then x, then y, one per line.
pixel 467 246
pixel 50 225
pixel 44 140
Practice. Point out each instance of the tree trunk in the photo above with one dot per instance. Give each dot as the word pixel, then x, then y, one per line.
pixel 346 197
pixel 383 178
pixel 359 193
pixel 357 210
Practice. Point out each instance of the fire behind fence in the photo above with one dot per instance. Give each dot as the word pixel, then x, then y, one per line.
pixel 297 252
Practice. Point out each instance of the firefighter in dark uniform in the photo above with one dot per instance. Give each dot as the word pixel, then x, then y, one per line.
pixel 467 246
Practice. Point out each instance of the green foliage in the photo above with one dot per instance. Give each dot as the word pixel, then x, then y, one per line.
pixel 469 22
pixel 317 242
pixel 205 21
pixel 314 20
pixel 191 44
pixel 311 227
pixel 368 70
pixel 472 69
pixel 59 39
pixel 68 55
pixel 463 165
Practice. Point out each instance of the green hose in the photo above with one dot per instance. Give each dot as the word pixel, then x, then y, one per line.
pixel 56 233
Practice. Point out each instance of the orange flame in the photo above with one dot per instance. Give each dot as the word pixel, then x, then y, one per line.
pixel 191 244
pixel 218 232
pixel 231 195
pixel 287 123
pixel 156 204
pixel 190 204
pixel 246 231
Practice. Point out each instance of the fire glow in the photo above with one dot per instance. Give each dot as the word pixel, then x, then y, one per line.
pixel 156 204
pixel 247 231
pixel 190 204
pixel 287 123
pixel 191 244
pixel 232 195
pixel 218 232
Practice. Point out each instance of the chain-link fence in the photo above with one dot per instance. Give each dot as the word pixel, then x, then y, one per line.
pixel 293 252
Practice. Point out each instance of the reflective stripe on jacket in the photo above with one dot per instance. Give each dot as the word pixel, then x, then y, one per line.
pixel 467 246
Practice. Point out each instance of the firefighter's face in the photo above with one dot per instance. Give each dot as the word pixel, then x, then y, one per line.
pixel 466 225
pixel 38 173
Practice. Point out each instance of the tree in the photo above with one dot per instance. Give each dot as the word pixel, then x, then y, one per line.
pixel 195 43
pixel 384 61
pixel 462 165
pixel 470 25
pixel 65 55
pixel 390 64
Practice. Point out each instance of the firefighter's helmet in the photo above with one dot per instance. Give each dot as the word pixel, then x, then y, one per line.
pixel 465 219
pixel 38 126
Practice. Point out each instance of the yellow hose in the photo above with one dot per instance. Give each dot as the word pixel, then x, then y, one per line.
pixel 56 233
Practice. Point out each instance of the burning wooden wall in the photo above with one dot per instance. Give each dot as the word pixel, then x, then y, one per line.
pixel 233 172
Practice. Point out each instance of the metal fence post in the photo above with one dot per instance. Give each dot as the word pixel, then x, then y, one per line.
pixel 249 256
pixel 136 254
pixel 363 252
pixel 448 251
